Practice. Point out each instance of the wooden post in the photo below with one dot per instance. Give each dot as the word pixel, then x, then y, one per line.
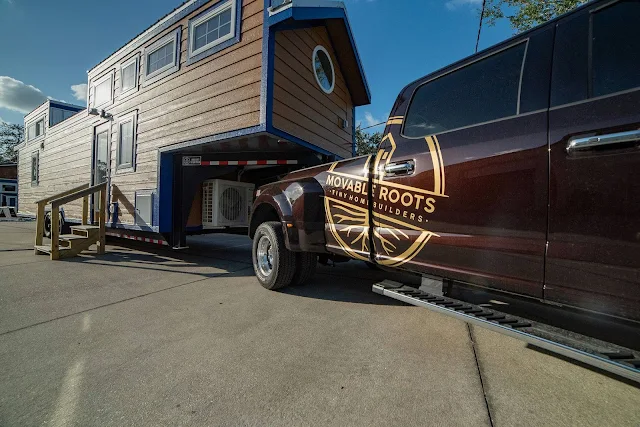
pixel 39 225
pixel 55 231
pixel 85 210
pixel 102 220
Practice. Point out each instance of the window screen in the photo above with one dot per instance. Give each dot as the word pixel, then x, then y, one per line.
pixel 102 93
pixel 480 92
pixel 125 152
pixel 129 74
pixel 160 58
pixel 35 168
pixel 616 48
pixel 212 29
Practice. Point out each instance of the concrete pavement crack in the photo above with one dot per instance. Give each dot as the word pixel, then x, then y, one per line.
pixel 475 356
pixel 120 301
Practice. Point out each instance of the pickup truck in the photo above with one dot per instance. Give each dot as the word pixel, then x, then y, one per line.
pixel 515 169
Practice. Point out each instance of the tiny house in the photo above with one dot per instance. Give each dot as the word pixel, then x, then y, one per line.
pixel 185 120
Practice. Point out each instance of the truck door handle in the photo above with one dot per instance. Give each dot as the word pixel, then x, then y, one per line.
pixel 401 168
pixel 590 142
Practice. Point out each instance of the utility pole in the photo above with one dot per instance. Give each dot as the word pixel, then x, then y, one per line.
pixel 484 5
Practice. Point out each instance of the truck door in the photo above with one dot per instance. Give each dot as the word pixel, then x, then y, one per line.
pixel 594 235
pixel 461 180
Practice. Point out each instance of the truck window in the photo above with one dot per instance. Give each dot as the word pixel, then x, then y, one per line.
pixel 616 48
pixel 483 91
pixel 570 61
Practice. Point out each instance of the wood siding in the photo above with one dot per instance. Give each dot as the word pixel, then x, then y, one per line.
pixel 217 94
pixel 65 162
pixel 300 107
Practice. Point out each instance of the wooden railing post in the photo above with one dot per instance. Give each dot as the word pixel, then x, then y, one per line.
pixel 102 220
pixel 39 225
pixel 85 210
pixel 55 231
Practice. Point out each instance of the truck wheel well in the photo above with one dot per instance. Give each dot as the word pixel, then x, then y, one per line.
pixel 263 213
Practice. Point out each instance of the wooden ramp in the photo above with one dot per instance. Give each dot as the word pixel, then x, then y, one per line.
pixel 83 236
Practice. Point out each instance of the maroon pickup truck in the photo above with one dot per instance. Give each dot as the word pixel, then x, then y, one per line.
pixel 516 169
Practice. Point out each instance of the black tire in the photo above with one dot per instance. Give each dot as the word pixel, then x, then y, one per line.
pixel 305 268
pixel 47 225
pixel 277 271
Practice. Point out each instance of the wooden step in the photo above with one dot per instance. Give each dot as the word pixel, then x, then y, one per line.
pixel 69 237
pixel 46 250
pixel 84 230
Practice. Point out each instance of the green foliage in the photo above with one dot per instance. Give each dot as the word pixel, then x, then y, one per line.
pixel 526 14
pixel 10 136
pixel 367 143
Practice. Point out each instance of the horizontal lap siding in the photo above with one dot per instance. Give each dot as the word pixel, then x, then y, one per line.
pixel 300 107
pixel 217 94
pixel 65 163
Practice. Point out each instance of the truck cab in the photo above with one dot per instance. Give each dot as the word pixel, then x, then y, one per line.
pixel 515 169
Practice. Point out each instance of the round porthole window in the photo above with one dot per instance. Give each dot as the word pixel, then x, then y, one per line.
pixel 323 69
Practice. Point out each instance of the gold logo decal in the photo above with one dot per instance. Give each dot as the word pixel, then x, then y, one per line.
pixel 400 212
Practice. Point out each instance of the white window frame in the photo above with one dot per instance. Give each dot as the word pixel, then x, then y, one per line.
pixel 173 37
pixel 136 63
pixel 127 167
pixel 333 70
pixel 229 4
pixel 97 83
pixel 35 155
pixel 35 123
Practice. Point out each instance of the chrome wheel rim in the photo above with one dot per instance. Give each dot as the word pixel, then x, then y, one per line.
pixel 264 256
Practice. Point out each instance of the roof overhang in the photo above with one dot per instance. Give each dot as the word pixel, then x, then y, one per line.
pixel 333 15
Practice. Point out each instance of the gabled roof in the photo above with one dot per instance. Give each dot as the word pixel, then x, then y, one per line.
pixel 334 16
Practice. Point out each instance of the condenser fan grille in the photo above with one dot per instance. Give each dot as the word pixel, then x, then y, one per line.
pixel 231 204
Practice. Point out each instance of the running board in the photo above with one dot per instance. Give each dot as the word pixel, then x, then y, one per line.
pixel 602 355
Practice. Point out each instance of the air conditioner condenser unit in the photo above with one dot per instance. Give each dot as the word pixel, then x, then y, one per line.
pixel 226 203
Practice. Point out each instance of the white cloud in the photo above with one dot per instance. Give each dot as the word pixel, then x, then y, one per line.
pixel 454 4
pixel 80 91
pixel 369 120
pixel 18 96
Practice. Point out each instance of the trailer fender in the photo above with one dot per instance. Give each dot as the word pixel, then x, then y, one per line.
pixel 298 206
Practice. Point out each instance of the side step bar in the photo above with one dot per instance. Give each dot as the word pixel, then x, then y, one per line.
pixel 608 357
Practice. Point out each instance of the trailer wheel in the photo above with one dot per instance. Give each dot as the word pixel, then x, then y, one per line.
pixel 273 263
pixel 47 225
pixel 305 267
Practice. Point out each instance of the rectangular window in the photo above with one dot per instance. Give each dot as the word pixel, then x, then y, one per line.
pixel 8 188
pixel 616 48
pixel 212 28
pixel 126 142
pixel 35 129
pixel 162 58
pixel 35 168
pixel 483 91
pixel 102 91
pixel 129 75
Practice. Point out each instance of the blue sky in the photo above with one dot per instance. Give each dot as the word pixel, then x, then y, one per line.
pixel 47 46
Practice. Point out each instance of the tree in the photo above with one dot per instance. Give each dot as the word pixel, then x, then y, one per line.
pixel 526 14
pixel 367 143
pixel 10 136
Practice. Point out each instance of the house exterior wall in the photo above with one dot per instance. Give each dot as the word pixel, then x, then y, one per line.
pixel 64 163
pixel 300 107
pixel 216 94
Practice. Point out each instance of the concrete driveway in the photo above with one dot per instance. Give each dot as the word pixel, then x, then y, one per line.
pixel 146 336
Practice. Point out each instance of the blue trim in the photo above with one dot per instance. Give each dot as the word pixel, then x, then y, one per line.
pixel 165 192
pixel 213 138
pixel 264 73
pixel 65 107
pixel 353 131
pixel 289 137
pixel 217 48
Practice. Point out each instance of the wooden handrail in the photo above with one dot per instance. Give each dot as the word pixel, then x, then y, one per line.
pixel 83 191
pixel 75 196
pixel 64 193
